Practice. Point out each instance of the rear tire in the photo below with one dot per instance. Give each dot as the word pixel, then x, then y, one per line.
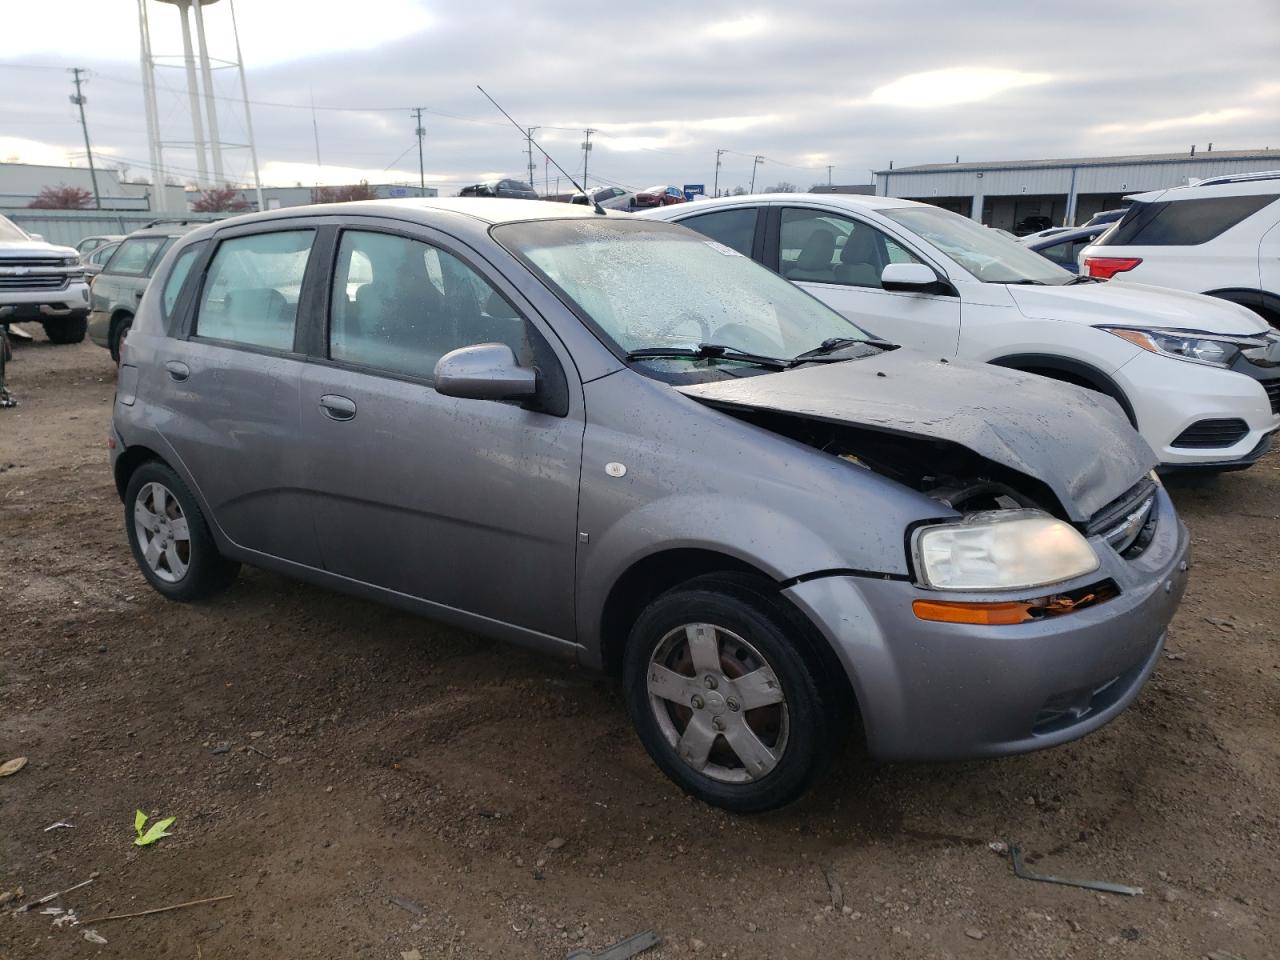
pixel 698 658
pixel 115 338
pixel 170 537
pixel 68 329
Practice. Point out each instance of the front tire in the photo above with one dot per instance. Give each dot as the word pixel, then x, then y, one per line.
pixel 727 695
pixel 68 329
pixel 170 537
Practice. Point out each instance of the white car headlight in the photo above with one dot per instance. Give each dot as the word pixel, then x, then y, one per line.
pixel 1002 550
pixel 1210 349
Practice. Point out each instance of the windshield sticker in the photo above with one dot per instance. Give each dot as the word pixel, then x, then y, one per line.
pixel 721 248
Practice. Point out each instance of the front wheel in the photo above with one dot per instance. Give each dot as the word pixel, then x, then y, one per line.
pixel 170 537
pixel 68 329
pixel 727 697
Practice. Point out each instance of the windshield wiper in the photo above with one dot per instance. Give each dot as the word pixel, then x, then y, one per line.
pixel 832 344
pixel 1081 278
pixel 1034 283
pixel 709 351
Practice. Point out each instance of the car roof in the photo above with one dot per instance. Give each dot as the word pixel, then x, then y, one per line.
pixel 488 210
pixel 846 201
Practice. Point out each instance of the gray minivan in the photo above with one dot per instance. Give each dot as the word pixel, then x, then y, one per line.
pixel 769 525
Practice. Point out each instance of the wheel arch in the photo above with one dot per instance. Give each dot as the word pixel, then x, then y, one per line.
pixel 1069 370
pixel 130 459
pixel 1262 302
pixel 659 572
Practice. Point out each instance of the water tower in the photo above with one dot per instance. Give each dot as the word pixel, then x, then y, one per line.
pixel 206 144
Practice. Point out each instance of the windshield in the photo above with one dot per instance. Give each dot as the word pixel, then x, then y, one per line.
pixel 644 285
pixel 987 254
pixel 10 231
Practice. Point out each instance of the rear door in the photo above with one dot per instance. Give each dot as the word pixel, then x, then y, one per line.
pixel 469 504
pixel 228 385
pixel 839 258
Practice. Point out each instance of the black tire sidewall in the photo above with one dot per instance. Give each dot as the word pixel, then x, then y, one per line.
pixel 119 330
pixel 208 571
pixel 757 618
pixel 68 329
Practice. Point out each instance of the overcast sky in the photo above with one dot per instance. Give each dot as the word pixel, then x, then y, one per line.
pixel 810 83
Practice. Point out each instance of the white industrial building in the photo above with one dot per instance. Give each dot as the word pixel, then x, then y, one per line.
pixel 20 183
pixel 1004 193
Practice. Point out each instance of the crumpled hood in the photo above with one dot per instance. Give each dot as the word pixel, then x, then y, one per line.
pixel 33 248
pixel 1075 441
pixel 1124 304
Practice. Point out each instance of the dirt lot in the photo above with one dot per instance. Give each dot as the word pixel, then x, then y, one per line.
pixel 326 757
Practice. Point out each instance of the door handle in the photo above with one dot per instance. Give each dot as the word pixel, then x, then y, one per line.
pixel 137 294
pixel 177 370
pixel 337 408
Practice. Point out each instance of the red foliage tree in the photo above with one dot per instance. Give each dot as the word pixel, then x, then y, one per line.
pixel 358 191
pixel 220 200
pixel 62 197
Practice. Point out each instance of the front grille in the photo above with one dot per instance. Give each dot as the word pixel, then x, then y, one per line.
pixel 1213 433
pixel 37 262
pixel 44 281
pixel 1128 522
pixel 1273 393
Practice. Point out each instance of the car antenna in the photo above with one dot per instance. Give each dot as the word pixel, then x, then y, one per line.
pixel 524 133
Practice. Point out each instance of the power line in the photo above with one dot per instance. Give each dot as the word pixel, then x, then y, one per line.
pixel 78 100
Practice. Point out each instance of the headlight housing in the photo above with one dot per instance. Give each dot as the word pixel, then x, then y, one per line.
pixel 1210 349
pixel 1001 550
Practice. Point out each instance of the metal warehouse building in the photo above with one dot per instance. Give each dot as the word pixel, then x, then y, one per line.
pixel 1068 192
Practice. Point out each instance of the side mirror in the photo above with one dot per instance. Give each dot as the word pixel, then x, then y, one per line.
pixel 913 278
pixel 486 371
pixel 36 236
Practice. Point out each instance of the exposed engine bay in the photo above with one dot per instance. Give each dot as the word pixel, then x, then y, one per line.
pixel 945 471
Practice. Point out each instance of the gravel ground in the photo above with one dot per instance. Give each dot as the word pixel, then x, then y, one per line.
pixel 368 784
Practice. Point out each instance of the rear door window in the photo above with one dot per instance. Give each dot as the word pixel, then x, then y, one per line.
pixel 736 229
pixel 252 287
pixel 1183 222
pixel 134 256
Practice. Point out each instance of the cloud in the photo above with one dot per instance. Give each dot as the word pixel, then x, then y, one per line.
pixel 945 88
pixel 1207 118
pixel 750 25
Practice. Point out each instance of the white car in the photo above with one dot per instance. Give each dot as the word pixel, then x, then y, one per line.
pixel 1199 377
pixel 1220 236
pixel 611 198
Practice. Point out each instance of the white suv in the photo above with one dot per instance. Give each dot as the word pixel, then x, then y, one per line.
pixel 1220 236
pixel 42 282
pixel 1199 377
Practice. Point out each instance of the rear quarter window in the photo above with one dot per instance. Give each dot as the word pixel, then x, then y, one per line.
pixel 1183 222
pixel 178 277
pixel 134 256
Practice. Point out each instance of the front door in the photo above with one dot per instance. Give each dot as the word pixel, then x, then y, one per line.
pixel 470 504
pixel 839 260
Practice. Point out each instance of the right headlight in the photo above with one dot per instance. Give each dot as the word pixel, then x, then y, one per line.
pixel 1211 349
pixel 1001 550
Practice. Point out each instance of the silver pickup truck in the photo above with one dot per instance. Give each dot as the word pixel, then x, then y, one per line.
pixel 42 283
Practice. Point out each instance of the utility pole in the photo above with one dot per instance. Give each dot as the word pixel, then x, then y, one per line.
pixel 421 132
pixel 586 156
pixel 755 163
pixel 78 100
pixel 528 145
pixel 829 174
pixel 715 190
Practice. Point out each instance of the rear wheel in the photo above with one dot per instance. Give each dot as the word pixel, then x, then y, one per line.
pixel 727 697
pixel 170 537
pixel 119 330
pixel 68 329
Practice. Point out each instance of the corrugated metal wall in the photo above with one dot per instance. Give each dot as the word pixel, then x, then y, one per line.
pixel 69 227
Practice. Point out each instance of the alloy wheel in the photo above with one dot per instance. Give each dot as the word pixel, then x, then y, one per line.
pixel 718 703
pixel 162 532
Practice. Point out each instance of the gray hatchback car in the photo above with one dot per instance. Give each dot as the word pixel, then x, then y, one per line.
pixel 770 526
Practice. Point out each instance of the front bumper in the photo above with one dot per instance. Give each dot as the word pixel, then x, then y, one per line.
pixel 1169 396
pixel 935 691
pixel 18 304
